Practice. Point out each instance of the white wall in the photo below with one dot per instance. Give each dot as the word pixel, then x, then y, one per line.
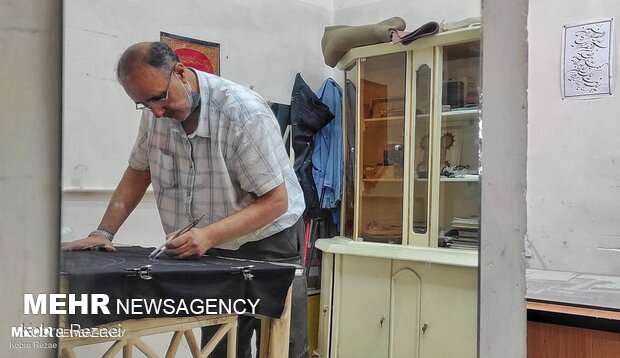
pixel 263 44
pixel 573 191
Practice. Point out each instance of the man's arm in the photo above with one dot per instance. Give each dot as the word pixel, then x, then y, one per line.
pixel 261 212
pixel 126 197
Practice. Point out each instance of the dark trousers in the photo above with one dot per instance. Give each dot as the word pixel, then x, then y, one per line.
pixel 285 247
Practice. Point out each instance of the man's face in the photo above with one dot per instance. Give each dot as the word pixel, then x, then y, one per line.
pixel 162 92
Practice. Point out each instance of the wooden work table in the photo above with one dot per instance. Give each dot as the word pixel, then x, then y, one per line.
pixel 572 314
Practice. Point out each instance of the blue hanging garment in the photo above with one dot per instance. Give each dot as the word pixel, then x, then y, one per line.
pixel 327 165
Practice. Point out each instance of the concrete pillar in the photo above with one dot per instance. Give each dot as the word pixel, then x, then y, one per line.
pixel 30 147
pixel 502 318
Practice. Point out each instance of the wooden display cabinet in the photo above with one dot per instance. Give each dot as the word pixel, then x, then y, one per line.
pixel 403 274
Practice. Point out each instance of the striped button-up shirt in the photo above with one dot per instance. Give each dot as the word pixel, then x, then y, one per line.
pixel 235 155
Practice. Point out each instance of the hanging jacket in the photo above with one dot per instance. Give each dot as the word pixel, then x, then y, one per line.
pixel 327 163
pixel 308 116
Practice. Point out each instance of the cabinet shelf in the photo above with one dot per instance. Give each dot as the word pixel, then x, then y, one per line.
pixel 466 178
pixel 385 180
pixel 461 115
pixel 384 119
pixel 436 255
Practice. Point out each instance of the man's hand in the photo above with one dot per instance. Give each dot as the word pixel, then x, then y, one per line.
pixel 89 243
pixel 193 243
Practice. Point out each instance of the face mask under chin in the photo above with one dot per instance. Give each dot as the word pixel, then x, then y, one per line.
pixel 194 101
pixel 192 97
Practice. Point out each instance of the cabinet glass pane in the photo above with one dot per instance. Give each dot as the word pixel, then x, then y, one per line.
pixel 422 149
pixel 459 192
pixel 381 148
pixel 350 97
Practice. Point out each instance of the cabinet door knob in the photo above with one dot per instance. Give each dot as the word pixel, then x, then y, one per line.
pixel 398 147
pixel 325 309
pixel 424 328
pixel 381 320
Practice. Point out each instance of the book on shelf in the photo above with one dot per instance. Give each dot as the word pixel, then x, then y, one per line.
pixel 457 245
pixel 468 234
pixel 465 223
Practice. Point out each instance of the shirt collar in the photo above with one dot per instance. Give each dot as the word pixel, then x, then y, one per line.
pixel 203 129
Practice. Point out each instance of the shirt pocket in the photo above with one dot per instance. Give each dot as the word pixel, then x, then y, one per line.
pixel 167 171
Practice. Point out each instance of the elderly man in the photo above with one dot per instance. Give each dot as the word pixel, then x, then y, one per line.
pixel 208 146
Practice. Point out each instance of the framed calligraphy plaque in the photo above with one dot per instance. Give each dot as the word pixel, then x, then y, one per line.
pixel 586 59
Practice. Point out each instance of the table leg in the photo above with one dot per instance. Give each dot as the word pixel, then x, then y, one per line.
pixel 280 330
pixel 174 344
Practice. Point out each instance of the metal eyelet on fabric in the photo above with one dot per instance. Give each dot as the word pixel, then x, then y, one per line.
pixel 144 272
pixel 246 271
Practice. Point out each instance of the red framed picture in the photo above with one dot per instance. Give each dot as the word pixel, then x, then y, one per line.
pixel 201 55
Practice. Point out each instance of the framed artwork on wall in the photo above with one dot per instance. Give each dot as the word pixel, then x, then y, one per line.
pixel 198 54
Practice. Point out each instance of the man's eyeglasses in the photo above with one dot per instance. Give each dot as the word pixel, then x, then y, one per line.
pixel 155 102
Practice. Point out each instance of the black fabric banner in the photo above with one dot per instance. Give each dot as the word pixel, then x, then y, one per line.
pixel 130 274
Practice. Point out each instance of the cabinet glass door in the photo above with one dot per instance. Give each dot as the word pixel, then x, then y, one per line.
pixel 382 147
pixel 420 168
pixel 459 147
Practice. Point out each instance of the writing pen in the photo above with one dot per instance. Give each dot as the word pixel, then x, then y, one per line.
pixel 160 250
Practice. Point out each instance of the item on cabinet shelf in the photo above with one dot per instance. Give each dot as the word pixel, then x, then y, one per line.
pixel 384 232
pixel 465 223
pixel 387 107
pixel 460 238
pixel 447 141
pixel 444 241
pixel 460 91
pixel 421 166
pixel 405 37
pixel 396 107
pixel 465 231
pixel 378 108
pixel 373 172
pixel 466 23
pixel 339 39
pixel 472 99
pixel 383 172
pixel 393 157
pixel 463 244
pixel 457 171
pixel 453 94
